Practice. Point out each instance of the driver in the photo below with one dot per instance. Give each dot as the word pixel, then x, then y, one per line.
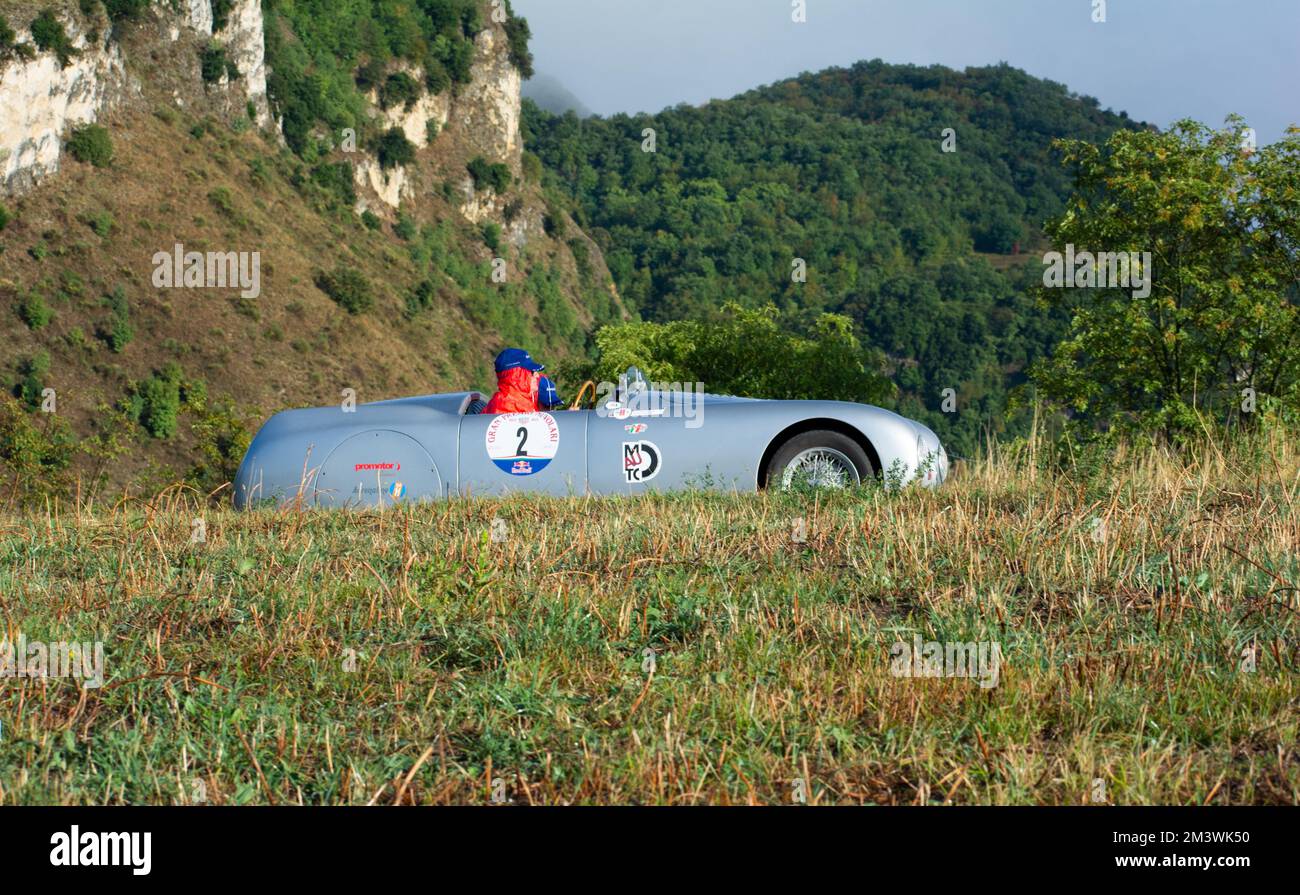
pixel 521 387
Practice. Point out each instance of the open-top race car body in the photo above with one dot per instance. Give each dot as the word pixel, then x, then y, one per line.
pixel 437 446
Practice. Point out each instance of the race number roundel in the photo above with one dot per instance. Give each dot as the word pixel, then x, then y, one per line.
pixel 522 443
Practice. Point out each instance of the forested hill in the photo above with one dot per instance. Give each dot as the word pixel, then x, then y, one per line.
pixel 847 170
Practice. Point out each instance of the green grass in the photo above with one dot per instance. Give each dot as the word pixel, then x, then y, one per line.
pixel 524 661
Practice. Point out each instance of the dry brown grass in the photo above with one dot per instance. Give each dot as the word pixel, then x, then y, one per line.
pixel 524 662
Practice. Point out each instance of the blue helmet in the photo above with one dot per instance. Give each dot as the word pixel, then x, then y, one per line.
pixel 548 395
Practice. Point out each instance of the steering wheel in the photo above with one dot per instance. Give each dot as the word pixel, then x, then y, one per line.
pixel 577 402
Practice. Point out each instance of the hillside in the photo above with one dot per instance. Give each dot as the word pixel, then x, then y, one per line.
pixel 928 250
pixel 395 224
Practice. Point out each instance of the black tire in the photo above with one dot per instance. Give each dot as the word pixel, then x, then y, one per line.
pixel 817 438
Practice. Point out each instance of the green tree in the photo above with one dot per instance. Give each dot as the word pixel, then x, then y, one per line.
pixel 1221 224
pixel 751 353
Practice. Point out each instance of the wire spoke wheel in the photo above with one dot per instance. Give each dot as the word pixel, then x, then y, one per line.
pixel 820 467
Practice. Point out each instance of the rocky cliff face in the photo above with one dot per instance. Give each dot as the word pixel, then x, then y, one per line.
pixel 481 119
pixel 41 100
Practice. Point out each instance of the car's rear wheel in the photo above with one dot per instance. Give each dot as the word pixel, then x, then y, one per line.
pixel 818 459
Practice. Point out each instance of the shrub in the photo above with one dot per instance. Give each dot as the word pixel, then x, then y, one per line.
pixel 222 436
pixel 370 76
pixel 518 34
pixel 160 405
pixel 33 310
pixel 405 228
pixel 32 371
pixel 48 34
pixel 213 63
pixel 492 235
pixel 223 200
pixel 436 79
pixel 118 332
pixel 431 130
pixel 123 10
pixel 221 14
pixel 348 288
pixel 371 220
pixel 581 257
pixel 493 176
pixel 399 89
pixel 101 222
pixel 554 225
pixel 336 179
pixel 7 38
pixel 532 165
pixel 5 217
pixel 33 459
pixel 91 143
pixel 420 298
pixel 394 149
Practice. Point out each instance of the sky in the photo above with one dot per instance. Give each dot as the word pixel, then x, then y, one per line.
pixel 1159 60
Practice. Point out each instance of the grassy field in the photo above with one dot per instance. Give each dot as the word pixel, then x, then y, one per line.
pixel 406 657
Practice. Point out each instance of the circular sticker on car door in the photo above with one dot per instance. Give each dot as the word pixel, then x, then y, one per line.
pixel 522 443
pixel 641 461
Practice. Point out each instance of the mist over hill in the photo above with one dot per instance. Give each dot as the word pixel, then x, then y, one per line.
pixel 550 95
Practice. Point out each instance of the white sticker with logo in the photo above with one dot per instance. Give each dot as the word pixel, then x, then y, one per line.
pixel 641 461
pixel 522 443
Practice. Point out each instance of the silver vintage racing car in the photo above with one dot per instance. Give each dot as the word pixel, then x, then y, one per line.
pixel 642 438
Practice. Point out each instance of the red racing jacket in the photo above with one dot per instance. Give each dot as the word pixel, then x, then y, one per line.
pixel 516 392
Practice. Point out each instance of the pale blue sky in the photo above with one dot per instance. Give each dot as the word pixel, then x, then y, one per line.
pixel 1160 60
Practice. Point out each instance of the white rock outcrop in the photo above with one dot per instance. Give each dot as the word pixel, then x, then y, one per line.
pixel 488 109
pixel 40 101
pixel 246 47
pixel 199 15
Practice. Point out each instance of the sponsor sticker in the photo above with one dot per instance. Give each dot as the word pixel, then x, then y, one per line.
pixel 635 428
pixel 621 413
pixel 522 443
pixel 641 461
pixel 397 491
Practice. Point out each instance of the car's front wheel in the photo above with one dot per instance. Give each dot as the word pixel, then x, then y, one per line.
pixel 818 459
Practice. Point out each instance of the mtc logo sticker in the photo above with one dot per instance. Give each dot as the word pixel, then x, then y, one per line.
pixel 641 461
pixel 522 443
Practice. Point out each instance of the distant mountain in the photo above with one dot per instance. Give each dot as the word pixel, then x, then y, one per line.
pixel 912 196
pixel 552 96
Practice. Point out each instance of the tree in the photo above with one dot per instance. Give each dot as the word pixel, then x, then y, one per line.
pixel 1218 314
pixel 750 353
pixel 394 150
